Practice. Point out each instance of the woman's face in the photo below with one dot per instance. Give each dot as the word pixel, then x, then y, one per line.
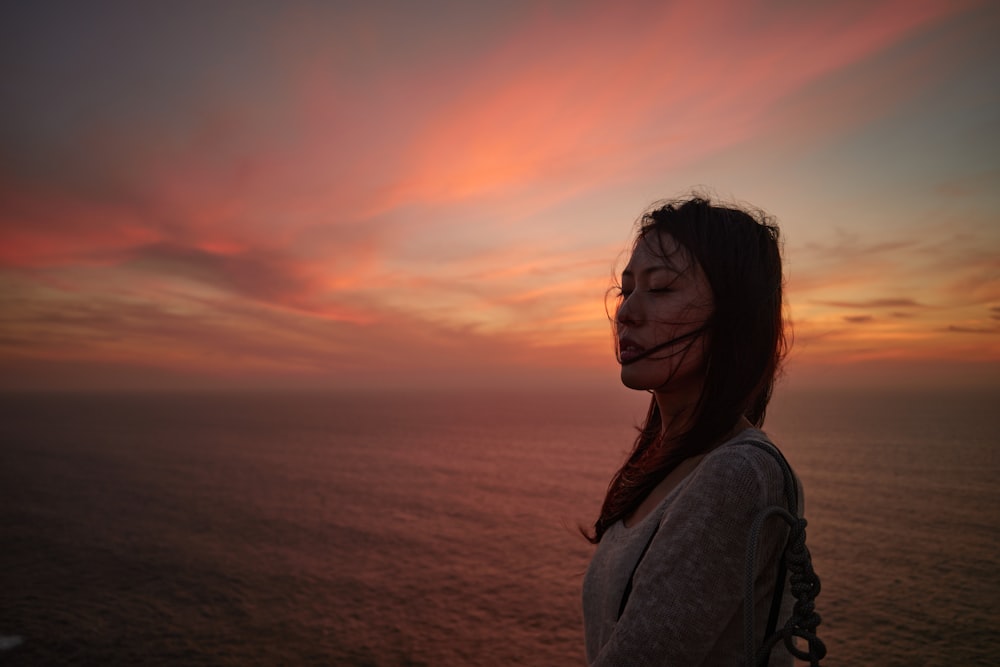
pixel 665 301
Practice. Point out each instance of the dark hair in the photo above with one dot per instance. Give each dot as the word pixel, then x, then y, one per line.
pixel 744 340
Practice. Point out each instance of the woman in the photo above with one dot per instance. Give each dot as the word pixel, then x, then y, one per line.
pixel 699 325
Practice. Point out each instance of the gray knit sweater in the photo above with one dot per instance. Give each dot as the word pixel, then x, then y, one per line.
pixel 686 604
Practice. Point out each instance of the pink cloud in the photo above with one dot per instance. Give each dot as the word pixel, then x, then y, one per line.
pixel 292 206
pixel 617 89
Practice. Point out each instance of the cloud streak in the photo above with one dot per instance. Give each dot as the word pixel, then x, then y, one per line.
pixel 874 303
pixel 328 190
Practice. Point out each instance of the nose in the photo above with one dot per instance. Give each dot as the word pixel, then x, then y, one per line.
pixel 627 312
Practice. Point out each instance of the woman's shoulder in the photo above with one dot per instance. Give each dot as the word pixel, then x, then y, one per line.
pixel 750 446
pixel 748 460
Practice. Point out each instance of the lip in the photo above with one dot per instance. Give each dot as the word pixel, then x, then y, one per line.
pixel 629 350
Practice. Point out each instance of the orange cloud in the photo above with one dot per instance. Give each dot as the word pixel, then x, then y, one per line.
pixel 956 277
pixel 366 208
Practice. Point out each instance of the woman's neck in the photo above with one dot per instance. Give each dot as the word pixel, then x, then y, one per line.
pixel 677 415
pixel 676 410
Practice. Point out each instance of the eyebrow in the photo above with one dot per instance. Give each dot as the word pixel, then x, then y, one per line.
pixel 650 269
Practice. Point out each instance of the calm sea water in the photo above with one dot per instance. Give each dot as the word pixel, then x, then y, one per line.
pixel 432 530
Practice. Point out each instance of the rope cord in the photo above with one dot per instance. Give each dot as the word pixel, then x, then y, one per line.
pixel 805 585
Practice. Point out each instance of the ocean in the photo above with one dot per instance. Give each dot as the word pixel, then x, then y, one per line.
pixel 433 529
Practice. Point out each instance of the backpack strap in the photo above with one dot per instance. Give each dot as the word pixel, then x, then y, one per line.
pixel 805 584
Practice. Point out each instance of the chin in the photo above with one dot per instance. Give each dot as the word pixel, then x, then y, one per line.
pixel 638 381
pixel 675 380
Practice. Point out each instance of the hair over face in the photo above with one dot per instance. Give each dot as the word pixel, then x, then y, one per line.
pixel 744 340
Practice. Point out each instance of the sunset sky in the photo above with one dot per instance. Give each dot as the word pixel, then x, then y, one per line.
pixel 309 194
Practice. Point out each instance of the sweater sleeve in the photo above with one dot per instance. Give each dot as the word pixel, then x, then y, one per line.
pixel 688 588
